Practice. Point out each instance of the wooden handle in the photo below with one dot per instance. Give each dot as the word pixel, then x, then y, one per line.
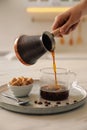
pixel 56 33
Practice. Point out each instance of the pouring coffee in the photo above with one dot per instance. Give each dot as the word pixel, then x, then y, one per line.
pixel 29 49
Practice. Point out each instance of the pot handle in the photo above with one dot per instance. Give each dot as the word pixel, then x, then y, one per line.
pixel 56 32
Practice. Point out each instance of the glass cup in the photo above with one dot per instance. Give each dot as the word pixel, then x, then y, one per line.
pixel 65 79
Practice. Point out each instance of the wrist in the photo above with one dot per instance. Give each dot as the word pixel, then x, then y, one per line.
pixel 84 7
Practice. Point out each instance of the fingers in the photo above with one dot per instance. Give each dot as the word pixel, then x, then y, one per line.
pixel 64 29
pixel 67 27
pixel 70 28
pixel 56 23
pixel 74 26
pixel 66 22
pixel 60 20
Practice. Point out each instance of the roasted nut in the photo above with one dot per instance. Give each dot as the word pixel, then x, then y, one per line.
pixel 20 81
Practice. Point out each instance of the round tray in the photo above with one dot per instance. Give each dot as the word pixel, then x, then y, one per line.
pixel 38 106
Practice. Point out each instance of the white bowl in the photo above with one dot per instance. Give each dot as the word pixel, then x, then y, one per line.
pixel 21 91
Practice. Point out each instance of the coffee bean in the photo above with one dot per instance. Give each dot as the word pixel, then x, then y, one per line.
pixel 46 105
pixel 40 103
pixel 46 102
pixel 75 101
pixel 35 102
pixel 67 103
pixel 58 102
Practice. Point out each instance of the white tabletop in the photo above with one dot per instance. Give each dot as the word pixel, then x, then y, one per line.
pixel 76 119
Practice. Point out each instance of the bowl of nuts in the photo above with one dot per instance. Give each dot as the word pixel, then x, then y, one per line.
pixel 21 86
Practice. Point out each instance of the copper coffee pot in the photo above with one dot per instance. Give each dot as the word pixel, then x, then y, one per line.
pixel 29 49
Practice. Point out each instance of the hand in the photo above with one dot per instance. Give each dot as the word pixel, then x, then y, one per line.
pixel 68 20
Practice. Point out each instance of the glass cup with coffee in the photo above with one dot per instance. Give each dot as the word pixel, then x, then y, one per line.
pixel 49 89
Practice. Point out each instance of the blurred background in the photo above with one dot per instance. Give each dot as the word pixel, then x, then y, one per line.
pixel 33 17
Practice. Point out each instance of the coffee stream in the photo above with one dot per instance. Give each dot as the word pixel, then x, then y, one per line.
pixel 54 68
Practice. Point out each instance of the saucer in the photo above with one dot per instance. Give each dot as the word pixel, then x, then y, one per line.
pixel 38 106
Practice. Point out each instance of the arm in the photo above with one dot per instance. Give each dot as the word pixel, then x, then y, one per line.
pixel 69 20
pixel 84 6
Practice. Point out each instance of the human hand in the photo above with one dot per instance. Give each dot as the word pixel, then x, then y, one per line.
pixel 68 20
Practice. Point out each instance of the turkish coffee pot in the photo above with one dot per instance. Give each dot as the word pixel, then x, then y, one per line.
pixel 29 49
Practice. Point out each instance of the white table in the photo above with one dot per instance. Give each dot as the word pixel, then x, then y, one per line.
pixel 73 120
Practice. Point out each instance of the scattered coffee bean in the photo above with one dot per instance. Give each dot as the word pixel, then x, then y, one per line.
pixel 46 105
pixel 40 103
pixel 67 103
pixel 46 102
pixel 58 102
pixel 75 101
pixel 35 102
